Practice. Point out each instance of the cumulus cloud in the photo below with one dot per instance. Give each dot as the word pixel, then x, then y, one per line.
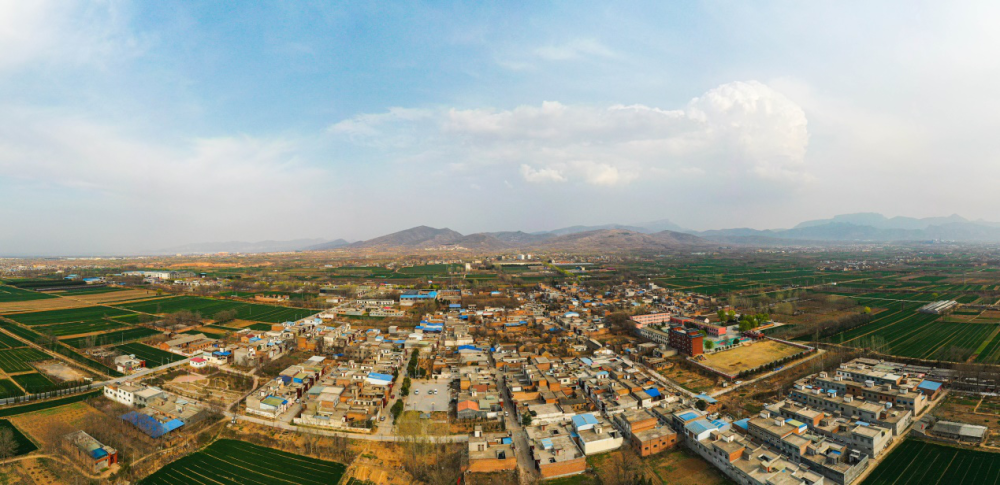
pixel 740 129
pixel 542 175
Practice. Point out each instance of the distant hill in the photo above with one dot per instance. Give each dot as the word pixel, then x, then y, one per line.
pixel 424 237
pixel 416 237
pixel 645 227
pixel 865 227
pixel 242 247
pixel 622 239
pixel 879 221
pixel 335 244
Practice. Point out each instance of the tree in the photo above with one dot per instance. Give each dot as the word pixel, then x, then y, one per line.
pixel 867 310
pixel 624 468
pixel 722 315
pixel 701 405
pixel 8 445
pixel 709 344
pixel 526 419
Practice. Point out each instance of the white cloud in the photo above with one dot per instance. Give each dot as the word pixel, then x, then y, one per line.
pixel 739 130
pixel 67 32
pixel 191 181
pixel 542 175
pixel 573 50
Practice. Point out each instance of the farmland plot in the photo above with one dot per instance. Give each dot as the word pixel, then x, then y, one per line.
pixel 16 360
pixel 116 337
pixel 922 462
pixel 208 307
pixel 72 315
pixel 154 357
pixel 240 463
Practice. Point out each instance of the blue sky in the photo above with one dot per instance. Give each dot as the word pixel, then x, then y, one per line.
pixel 130 126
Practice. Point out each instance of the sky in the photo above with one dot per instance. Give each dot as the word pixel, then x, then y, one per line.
pixel 133 126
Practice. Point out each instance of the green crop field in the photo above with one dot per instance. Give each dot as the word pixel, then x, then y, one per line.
pixel 10 293
pixel 71 315
pixel 116 337
pixel 208 307
pixel 89 290
pixel 77 328
pixel 9 389
pixel 34 382
pixel 16 360
pixel 922 462
pixel 8 342
pixel 24 445
pixel 238 463
pixel 154 357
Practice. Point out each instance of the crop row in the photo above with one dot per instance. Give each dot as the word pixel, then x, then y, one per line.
pixel 85 314
pixel 154 357
pixel 58 347
pixel 16 360
pixel 922 462
pixel 238 463
pixel 10 293
pixel 116 337
pixel 209 307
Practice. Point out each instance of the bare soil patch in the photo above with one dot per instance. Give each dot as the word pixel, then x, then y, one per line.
pixel 749 356
pixel 59 370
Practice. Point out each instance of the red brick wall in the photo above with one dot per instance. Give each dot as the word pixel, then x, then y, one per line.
pixel 549 470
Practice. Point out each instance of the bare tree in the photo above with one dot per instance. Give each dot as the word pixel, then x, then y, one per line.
pixel 8 445
pixel 623 468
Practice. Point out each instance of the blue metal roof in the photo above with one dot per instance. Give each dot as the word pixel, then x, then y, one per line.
pixel 700 426
pixel 381 377
pixel 688 416
pixel 706 398
pixel 743 424
pixel 929 385
pixel 653 392
pixel 584 420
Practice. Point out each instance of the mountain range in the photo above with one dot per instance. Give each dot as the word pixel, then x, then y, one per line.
pixel 661 235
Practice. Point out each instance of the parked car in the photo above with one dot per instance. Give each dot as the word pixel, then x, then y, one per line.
pixel 416 392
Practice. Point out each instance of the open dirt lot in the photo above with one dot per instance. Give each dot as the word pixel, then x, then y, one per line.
pixel 690 379
pixel 749 356
pixel 59 370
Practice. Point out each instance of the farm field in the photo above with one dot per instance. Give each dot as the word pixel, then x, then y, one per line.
pixel 16 360
pixel 116 337
pixel 72 315
pixel 922 462
pixel 209 307
pixel 24 445
pixel 11 293
pixel 154 357
pixel 750 356
pixel 9 389
pixel 34 382
pixel 37 425
pixel 8 342
pixel 77 328
pixel 236 462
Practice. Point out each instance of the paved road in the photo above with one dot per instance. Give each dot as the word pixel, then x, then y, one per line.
pixel 521 448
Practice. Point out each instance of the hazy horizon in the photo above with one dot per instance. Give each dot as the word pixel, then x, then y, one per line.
pixel 135 126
